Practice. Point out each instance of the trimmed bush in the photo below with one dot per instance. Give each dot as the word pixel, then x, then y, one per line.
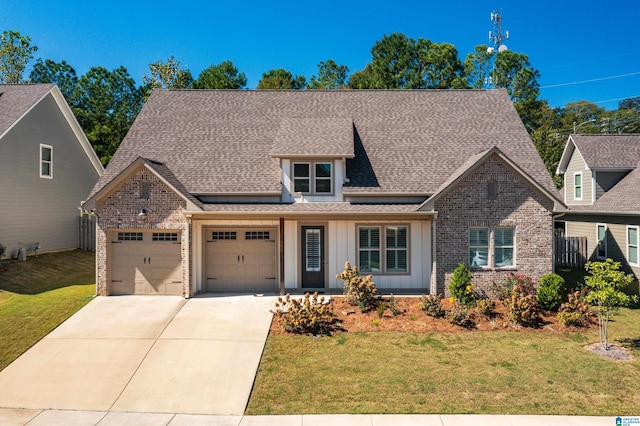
pixel 550 290
pixel 432 305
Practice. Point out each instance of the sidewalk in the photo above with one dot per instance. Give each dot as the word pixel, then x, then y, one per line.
pixel 107 418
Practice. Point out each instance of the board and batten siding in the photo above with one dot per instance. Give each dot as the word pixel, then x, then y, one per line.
pixel 35 209
pixel 341 239
pixel 578 165
pixel 586 226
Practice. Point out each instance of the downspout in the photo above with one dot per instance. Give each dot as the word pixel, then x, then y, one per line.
pixel 434 265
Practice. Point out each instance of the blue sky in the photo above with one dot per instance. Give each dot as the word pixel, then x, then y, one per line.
pixel 567 41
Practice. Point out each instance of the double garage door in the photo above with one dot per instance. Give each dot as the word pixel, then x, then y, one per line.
pixel 146 263
pixel 240 259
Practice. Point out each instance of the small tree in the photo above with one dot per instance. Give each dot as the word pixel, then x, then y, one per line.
pixel 460 286
pixel 605 281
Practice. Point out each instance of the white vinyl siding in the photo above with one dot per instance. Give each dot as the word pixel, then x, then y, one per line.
pixel 632 245
pixel 46 161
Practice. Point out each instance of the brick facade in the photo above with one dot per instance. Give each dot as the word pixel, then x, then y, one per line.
pixel 517 205
pixel 119 211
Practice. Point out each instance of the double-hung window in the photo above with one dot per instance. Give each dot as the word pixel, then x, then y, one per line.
pixel 478 247
pixel 503 247
pixel 491 247
pixel 577 186
pixel 388 255
pixel 632 245
pixel 312 178
pixel 46 161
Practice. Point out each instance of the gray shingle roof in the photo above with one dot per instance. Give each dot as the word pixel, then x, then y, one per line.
pixel 602 151
pixel 623 197
pixel 407 142
pixel 17 99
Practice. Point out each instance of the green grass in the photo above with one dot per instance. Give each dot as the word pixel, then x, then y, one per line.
pixel 467 372
pixel 39 294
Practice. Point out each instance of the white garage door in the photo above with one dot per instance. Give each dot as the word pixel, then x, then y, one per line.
pixel 146 263
pixel 240 260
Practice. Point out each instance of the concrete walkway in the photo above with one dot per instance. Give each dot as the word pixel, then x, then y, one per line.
pixel 136 360
pixel 103 418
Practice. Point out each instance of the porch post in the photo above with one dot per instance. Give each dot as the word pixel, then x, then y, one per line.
pixel 281 256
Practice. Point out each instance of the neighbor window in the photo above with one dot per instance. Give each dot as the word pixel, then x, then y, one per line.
pixel 602 241
pixel 577 186
pixel 388 255
pixel 478 247
pixel 503 247
pixel 312 178
pixel 632 245
pixel 46 161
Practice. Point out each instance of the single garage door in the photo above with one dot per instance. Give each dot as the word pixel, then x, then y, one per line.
pixel 240 260
pixel 146 263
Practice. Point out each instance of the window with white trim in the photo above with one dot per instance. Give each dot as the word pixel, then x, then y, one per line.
pixel 577 185
pixel 313 178
pixel 632 245
pixel 46 161
pixel 491 247
pixel 503 247
pixel 478 247
pixel 601 234
pixel 388 255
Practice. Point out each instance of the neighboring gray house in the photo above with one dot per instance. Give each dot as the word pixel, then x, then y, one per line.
pixel 266 191
pixel 47 168
pixel 602 193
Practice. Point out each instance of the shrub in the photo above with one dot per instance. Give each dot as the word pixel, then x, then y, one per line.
pixel 521 284
pixel 502 291
pixel 459 315
pixel 486 307
pixel 306 315
pixel 432 305
pixel 550 290
pixel 576 311
pixel 381 308
pixel 460 286
pixel 358 291
pixel 523 309
pixel 2 251
pixel 393 307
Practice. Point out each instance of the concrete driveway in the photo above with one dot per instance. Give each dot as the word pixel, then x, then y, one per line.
pixel 145 354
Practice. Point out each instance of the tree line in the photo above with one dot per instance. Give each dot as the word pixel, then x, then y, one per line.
pixel 106 102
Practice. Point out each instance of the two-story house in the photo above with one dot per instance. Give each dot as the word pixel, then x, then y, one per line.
pixel 273 191
pixel 602 193
pixel 47 168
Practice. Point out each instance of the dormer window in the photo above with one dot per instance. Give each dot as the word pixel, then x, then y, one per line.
pixel 312 178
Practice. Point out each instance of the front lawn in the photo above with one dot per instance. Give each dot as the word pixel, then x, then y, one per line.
pixel 495 372
pixel 39 294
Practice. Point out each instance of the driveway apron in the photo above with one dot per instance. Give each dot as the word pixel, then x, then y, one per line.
pixel 158 354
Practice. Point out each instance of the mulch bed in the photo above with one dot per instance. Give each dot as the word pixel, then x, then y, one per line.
pixel 413 319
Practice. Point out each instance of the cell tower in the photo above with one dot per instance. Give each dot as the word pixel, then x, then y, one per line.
pixel 496 36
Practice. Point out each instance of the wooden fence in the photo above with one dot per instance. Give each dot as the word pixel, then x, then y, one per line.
pixel 87 233
pixel 570 252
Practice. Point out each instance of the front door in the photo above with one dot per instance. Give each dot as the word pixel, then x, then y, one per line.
pixel 312 256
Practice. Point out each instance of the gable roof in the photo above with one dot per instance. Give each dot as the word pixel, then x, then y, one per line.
pixel 17 100
pixel 623 197
pixel 405 142
pixel 476 161
pixel 603 151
